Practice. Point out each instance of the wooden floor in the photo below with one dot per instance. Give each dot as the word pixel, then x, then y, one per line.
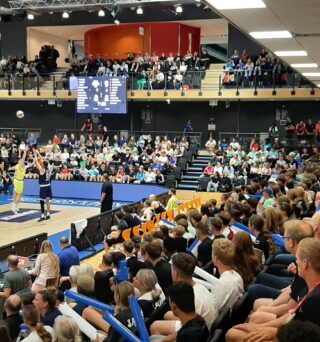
pixel 11 232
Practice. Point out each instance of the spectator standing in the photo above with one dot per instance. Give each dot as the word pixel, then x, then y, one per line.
pixel 188 128
pixel 205 247
pixel 106 194
pixel 173 201
pixel 68 256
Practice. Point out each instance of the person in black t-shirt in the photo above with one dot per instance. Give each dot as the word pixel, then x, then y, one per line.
pixel 106 194
pixel 161 267
pixel 205 247
pixel 181 299
pixel 102 280
pixel 256 224
pixel 122 293
pixel 13 319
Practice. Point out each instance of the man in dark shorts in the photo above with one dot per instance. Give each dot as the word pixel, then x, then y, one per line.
pixel 106 194
pixel 45 194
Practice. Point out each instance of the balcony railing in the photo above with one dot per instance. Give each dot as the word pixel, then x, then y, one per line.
pixel 190 80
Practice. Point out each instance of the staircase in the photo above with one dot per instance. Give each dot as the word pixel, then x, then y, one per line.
pixel 189 181
pixel 211 79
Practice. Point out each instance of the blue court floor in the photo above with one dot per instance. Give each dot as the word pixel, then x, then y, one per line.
pixel 7 199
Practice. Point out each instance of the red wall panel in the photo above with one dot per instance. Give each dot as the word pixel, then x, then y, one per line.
pixel 165 38
pixel 189 39
pixel 116 41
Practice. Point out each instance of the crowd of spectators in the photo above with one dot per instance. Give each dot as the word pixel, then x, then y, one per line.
pixel 160 266
pixel 148 72
pixel 43 63
pixel 260 70
pixel 88 157
pixel 268 161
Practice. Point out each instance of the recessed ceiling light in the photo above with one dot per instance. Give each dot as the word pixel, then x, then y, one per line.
pixel 236 4
pixel 101 13
pixel 297 53
pixel 139 10
pixel 65 15
pixel 270 34
pixel 179 9
pixel 311 74
pixel 30 16
pixel 304 65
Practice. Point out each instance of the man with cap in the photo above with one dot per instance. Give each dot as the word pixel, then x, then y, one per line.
pixel 267 200
pixel 106 194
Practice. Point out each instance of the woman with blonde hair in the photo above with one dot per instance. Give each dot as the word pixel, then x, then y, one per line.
pixel 152 296
pixel 47 268
pixel 66 330
pixel 38 332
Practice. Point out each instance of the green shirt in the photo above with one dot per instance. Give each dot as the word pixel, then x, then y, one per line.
pixel 16 280
pixel 172 203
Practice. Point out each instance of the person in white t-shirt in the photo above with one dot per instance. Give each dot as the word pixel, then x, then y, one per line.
pixel 229 287
pixel 211 145
pixel 182 269
pixel 234 144
pixel 150 176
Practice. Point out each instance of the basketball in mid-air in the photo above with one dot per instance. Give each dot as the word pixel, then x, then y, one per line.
pixel 20 114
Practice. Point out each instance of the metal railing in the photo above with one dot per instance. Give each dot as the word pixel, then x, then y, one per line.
pixel 191 80
pixel 193 137
pixel 21 133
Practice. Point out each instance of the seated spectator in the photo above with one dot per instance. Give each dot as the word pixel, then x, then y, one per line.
pixel 45 301
pixel 66 329
pixel 205 247
pixel 211 145
pixel 246 263
pixel 183 266
pixel 13 319
pixel 47 267
pixel 103 292
pixel 116 231
pixel 308 254
pixel 152 297
pixel 85 287
pixel 38 331
pixel 216 227
pixel 256 225
pixel 122 293
pixel 182 304
pixel 229 287
pixel 214 182
pixel 160 266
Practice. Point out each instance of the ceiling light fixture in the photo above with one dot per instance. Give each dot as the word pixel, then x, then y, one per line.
pixel 304 65
pixel 101 13
pixel 236 4
pixel 30 16
pixel 311 74
pixel 139 10
pixel 65 15
pixel 298 53
pixel 270 34
pixel 318 85
pixel 179 9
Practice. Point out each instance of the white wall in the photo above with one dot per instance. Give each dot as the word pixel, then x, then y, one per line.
pixel 36 39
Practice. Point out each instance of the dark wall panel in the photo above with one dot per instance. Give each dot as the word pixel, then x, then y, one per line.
pixel 240 41
pixel 228 117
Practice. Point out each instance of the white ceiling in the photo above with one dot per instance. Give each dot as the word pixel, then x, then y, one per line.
pixel 300 17
pixel 212 30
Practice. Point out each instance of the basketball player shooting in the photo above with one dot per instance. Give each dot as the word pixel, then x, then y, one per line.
pixel 45 194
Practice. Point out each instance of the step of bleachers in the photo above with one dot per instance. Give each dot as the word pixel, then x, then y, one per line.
pixel 187 187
